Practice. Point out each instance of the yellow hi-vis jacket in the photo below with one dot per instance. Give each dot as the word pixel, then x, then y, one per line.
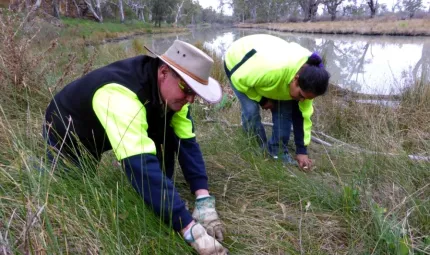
pixel 263 66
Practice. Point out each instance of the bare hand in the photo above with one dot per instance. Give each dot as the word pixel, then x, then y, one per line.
pixel 268 105
pixel 304 162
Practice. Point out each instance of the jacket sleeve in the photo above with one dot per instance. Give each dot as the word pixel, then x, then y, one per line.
pixel 124 118
pixel 144 173
pixel 302 124
pixel 190 156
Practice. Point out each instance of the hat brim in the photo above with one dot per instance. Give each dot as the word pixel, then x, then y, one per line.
pixel 210 92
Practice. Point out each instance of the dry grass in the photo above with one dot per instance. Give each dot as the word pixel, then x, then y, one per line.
pixel 375 26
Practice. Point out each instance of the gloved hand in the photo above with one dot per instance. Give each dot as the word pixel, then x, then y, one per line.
pixel 204 244
pixel 205 214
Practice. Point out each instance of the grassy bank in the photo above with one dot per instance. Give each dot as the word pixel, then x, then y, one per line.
pixel 376 26
pixel 92 32
pixel 353 202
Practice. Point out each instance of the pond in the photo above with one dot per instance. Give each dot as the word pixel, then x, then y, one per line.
pixel 382 65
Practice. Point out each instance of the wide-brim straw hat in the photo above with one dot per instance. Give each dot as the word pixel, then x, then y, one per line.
pixel 194 66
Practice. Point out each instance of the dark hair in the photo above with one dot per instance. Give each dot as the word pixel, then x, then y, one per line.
pixel 314 78
pixel 174 73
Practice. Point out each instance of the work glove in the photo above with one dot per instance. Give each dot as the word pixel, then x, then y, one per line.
pixel 205 214
pixel 205 244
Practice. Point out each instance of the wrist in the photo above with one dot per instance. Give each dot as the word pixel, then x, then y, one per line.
pixel 301 150
pixel 202 196
pixel 184 230
pixel 200 193
pixel 263 101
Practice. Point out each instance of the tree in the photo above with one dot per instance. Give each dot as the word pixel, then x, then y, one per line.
pixel 37 4
pixel 332 7
pixel 157 12
pixel 209 15
pixel 240 10
pixel 412 6
pixel 189 11
pixel 309 8
pixel 161 9
pixel 354 9
pixel 396 6
pixel 56 8
pixel 373 6
pixel 178 12
pixel 78 10
pixel 121 11
pixel 138 6
pixel 96 10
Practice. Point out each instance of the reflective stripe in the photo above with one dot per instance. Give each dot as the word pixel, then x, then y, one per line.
pixel 123 117
pixel 307 110
pixel 244 59
pixel 182 124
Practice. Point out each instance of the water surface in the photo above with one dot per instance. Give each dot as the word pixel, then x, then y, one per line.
pixel 366 64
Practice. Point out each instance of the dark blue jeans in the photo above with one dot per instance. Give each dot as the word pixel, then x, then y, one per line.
pixel 281 117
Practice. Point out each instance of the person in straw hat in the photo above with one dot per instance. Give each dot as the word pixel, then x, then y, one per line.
pixel 140 108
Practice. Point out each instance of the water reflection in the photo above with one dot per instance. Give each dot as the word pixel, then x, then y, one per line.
pixel 371 65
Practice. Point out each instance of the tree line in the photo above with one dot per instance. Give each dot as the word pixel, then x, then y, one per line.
pixel 306 10
pixel 185 12
pixel 176 12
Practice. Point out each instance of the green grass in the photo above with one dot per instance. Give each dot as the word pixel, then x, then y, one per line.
pixel 353 202
pixel 88 27
pixel 90 31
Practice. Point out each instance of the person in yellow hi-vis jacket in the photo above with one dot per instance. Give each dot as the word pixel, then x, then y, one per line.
pixel 140 108
pixel 269 72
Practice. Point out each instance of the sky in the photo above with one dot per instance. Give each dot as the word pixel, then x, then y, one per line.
pixel 215 4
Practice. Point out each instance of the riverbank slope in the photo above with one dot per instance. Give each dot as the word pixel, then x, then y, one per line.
pixel 377 26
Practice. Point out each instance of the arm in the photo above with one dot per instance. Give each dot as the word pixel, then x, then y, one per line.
pixel 189 156
pixel 302 124
pixel 124 118
pixel 193 167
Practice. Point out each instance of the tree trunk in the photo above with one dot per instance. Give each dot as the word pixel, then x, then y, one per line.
pixel 56 8
pixel 78 10
pixel 332 11
pixel 269 9
pixel 95 14
pixel 67 8
pixel 373 5
pixel 140 15
pixel 99 10
pixel 178 13
pixel 121 11
pixel 254 13
pixel 37 5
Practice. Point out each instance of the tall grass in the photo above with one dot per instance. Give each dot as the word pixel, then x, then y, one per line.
pixel 353 202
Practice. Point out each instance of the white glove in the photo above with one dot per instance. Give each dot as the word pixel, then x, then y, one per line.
pixel 205 214
pixel 203 243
